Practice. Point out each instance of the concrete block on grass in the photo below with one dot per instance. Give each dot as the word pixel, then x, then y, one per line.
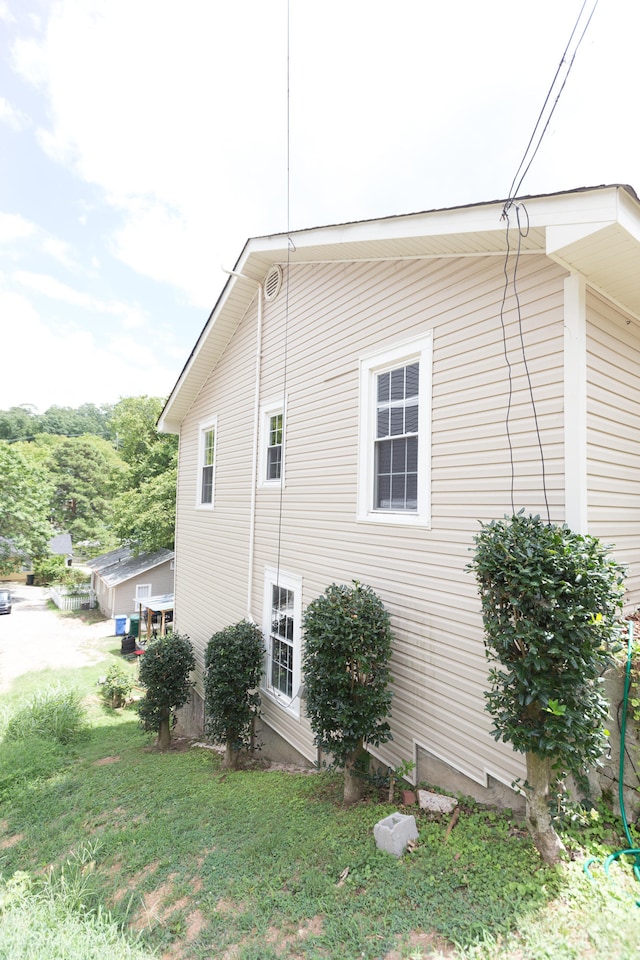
pixel 394 833
pixel 436 802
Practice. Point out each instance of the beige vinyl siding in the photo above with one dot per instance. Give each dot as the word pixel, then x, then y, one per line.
pixel 160 578
pixel 119 599
pixel 338 314
pixel 103 596
pixel 212 545
pixel 613 434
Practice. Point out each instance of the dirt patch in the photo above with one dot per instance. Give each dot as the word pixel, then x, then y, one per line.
pixel 196 923
pixel 106 760
pixel 227 907
pixel 177 745
pixel 311 928
pixel 426 944
pixel 7 842
pixel 150 912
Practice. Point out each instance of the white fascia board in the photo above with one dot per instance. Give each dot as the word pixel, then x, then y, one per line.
pixel 629 214
pixel 593 208
pixel 607 207
pixel 563 235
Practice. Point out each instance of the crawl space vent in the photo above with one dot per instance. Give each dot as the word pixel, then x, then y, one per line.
pixel 273 283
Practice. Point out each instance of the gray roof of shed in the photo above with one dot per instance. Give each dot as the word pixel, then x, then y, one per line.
pixel 119 565
pixel 61 544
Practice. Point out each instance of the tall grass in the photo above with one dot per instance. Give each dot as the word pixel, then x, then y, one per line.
pixel 55 713
pixel 60 916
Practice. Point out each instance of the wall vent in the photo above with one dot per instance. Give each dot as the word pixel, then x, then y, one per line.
pixel 273 282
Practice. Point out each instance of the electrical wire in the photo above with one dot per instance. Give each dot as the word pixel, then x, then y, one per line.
pixel 511 202
pixel 286 289
pixel 290 246
pixel 514 189
pixel 508 362
pixel 513 282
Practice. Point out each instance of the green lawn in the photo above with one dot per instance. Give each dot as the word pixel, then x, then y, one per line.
pixel 129 853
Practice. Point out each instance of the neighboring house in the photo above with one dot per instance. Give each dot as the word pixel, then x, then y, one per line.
pixel 61 545
pixel 121 580
pixel 343 416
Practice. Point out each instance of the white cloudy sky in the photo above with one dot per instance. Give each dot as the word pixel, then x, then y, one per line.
pixel 143 141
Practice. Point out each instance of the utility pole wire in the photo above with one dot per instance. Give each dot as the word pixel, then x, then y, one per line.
pixel 514 189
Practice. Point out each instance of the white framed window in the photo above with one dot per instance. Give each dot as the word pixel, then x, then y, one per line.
pixel 207 450
pixel 272 428
pixel 282 632
pixel 394 484
pixel 143 591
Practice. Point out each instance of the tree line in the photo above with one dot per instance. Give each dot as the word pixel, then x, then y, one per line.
pixel 102 474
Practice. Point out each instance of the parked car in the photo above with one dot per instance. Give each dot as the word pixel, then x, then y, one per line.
pixel 5 601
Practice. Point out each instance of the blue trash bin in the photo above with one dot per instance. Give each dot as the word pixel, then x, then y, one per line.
pixel 121 626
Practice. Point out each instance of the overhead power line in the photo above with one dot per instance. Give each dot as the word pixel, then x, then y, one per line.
pixel 551 100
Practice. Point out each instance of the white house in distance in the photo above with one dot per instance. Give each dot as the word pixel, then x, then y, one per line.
pixel 344 416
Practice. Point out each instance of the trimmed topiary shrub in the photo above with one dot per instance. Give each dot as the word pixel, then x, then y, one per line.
pixel 347 648
pixel 233 666
pixel 551 601
pixel 164 671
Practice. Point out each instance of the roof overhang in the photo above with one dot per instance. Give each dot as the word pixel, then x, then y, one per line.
pixel 594 232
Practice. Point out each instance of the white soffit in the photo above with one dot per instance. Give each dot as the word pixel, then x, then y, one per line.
pixel 594 232
pixel 606 251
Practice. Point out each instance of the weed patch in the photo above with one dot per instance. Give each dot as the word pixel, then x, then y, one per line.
pixel 54 713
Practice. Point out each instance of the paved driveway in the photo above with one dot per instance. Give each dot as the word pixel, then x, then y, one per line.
pixel 34 638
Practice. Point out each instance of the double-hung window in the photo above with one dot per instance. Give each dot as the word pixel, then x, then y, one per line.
pixel 282 619
pixel 395 415
pixel 274 447
pixel 206 464
pixel 272 418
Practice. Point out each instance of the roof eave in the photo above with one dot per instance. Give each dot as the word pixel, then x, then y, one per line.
pixel 470 230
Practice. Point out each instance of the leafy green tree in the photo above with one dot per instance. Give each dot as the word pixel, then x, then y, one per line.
pixel 18 423
pixel 39 451
pixel 133 425
pixel 145 517
pixel 48 570
pixel 551 601
pixel 73 422
pixel 144 512
pixel 85 471
pixel 233 665
pixel 164 671
pixel 347 648
pixel 25 530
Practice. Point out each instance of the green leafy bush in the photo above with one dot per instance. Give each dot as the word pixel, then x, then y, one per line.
pixel 55 713
pixel 117 685
pixel 551 600
pixel 347 648
pixel 233 665
pixel 164 671
pixel 48 570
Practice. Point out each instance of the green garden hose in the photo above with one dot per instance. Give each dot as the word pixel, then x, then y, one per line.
pixel 630 850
